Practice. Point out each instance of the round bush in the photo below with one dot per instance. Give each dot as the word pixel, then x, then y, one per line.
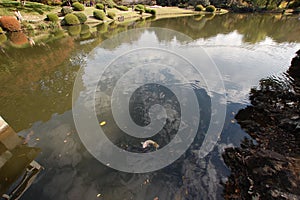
pixel 1 30
pixel 71 19
pixel 181 5
pixel 66 10
pixel 210 8
pixel 123 8
pixel 52 17
pixel 139 7
pixel 78 6
pixel 10 23
pixel 100 6
pixel 99 14
pixel 199 8
pixel 81 16
pixel 111 15
pixel 294 4
pixel 153 12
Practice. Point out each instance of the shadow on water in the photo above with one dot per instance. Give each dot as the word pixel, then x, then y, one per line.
pixel 268 169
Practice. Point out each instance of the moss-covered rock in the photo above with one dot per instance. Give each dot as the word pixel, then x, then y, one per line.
pixel 52 17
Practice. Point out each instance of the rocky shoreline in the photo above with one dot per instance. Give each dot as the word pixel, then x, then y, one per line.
pixel 268 167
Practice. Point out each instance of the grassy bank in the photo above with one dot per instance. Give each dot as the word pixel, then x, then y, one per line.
pixel 36 12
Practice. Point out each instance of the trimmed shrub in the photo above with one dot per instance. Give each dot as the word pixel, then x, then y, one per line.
pixel 66 10
pixel 71 19
pixel 78 6
pixel 81 16
pixel 123 8
pixel 111 15
pixel 199 8
pixel 140 8
pixel 181 5
pixel 210 8
pixel 99 14
pixel 151 11
pixel 10 23
pixel 52 17
pixel 100 6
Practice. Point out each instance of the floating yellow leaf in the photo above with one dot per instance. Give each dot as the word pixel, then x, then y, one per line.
pixel 102 123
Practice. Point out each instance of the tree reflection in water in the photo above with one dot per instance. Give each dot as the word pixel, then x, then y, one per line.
pixel 270 168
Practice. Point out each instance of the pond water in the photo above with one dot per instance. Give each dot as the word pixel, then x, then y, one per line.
pixel 36 98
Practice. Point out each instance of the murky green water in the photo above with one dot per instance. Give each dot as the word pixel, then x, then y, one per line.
pixel 36 97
